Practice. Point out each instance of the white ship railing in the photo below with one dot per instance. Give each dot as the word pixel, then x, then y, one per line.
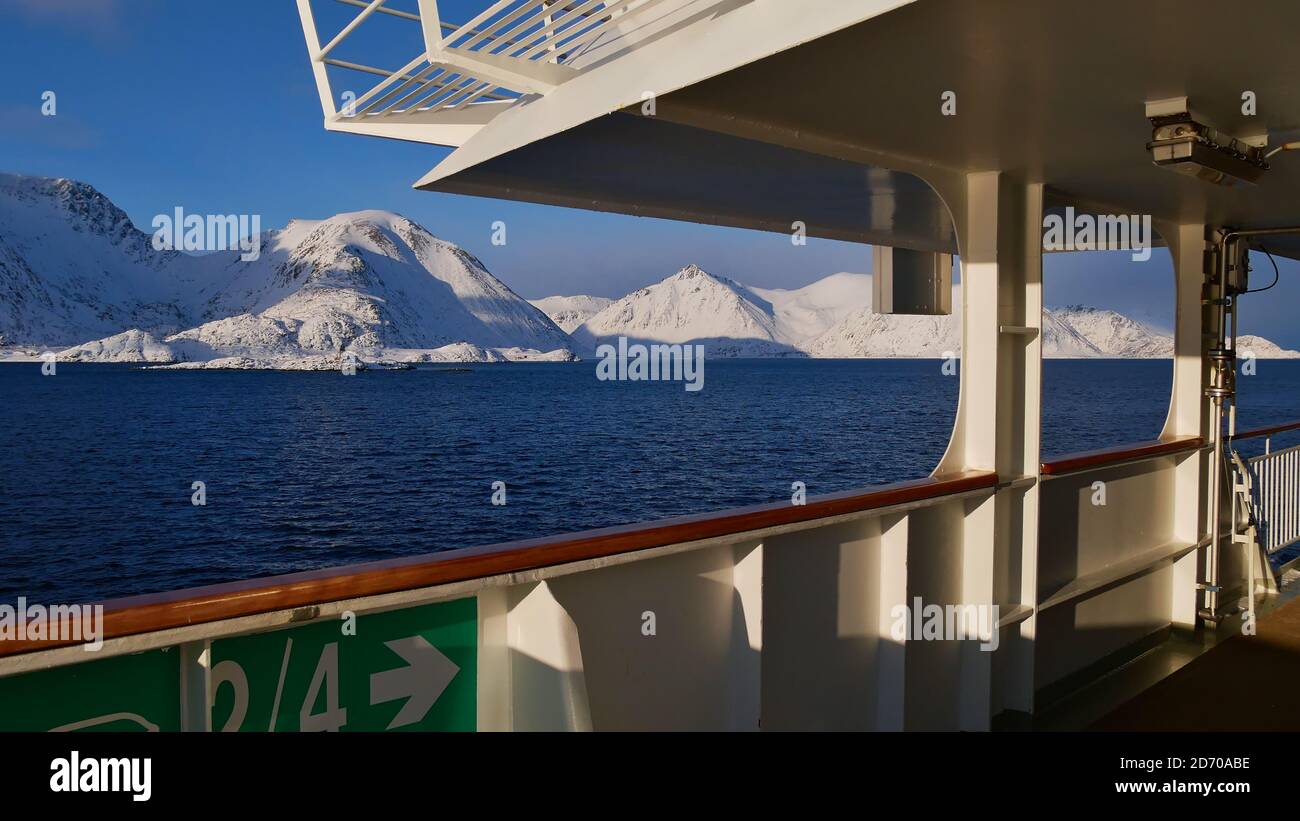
pixel 1277 497
pixel 779 616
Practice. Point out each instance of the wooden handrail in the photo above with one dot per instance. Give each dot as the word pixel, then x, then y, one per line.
pixel 1282 428
pixel 179 608
pixel 1087 460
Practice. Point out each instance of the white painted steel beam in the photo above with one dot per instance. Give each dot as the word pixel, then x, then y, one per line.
pixel 328 108
pixel 1189 413
pixel 348 29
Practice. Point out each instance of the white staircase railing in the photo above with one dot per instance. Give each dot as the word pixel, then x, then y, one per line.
pixel 460 76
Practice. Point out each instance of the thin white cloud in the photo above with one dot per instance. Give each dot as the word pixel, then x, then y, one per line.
pixel 55 8
pixel 25 124
pixel 99 17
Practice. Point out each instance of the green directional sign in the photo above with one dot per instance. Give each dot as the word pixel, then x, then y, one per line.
pixel 412 669
pixel 139 692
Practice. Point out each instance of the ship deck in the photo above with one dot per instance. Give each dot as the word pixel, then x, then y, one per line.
pixel 1172 686
pixel 1264 670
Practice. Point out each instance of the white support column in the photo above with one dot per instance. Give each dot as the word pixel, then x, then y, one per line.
pixel 1022 383
pixel 494 679
pixel 998 421
pixel 548 687
pixel 745 670
pixel 891 652
pixel 974 444
pixel 1189 413
pixel 976 691
pixel 1188 407
pixel 975 694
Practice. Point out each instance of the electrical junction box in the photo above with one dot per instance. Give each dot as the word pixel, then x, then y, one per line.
pixel 910 282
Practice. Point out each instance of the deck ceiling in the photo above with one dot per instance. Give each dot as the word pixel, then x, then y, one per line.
pixel 1047 91
pixel 653 167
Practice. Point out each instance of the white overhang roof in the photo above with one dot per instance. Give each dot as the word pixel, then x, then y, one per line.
pixel 769 111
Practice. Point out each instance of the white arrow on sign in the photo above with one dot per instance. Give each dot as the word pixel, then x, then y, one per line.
pixel 426 674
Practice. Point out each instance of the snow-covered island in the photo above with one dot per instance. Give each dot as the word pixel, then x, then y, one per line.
pixel 79 280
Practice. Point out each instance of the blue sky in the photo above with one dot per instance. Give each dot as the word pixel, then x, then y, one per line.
pixel 211 107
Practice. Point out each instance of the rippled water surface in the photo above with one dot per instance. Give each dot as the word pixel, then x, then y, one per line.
pixel 306 470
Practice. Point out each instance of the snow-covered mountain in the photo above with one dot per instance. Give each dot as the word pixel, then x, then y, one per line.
pixel 74 268
pixel 1068 333
pixel 75 273
pixel 366 281
pixel 1061 340
pixel 832 318
pixel 808 312
pixel 692 305
pixel 864 334
pixel 77 277
pixel 1261 348
pixel 569 312
pixel 1073 332
pixel 1114 335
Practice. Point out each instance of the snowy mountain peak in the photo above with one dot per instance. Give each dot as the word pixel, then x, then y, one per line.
pixel 80 206
pixel 691 305
pixel 693 276
pixel 694 284
pixel 376 280
pixel 694 271
pixel 74 271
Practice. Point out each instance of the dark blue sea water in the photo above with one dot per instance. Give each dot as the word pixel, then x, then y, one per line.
pixel 306 470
